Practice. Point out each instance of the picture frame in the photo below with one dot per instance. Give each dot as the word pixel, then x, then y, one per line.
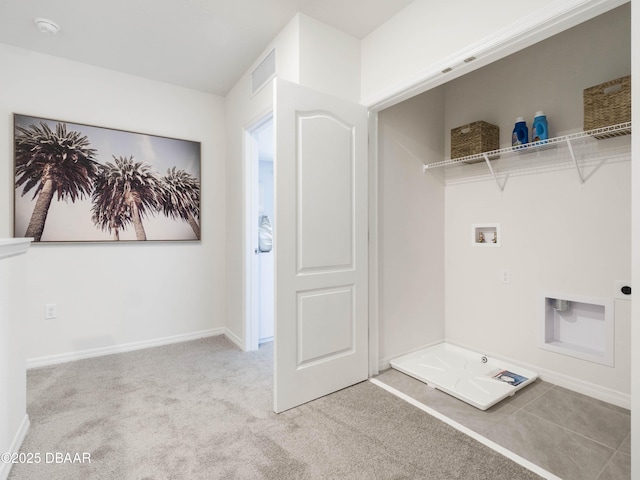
pixel 82 183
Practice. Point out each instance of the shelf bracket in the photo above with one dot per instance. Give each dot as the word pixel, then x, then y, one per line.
pixel 575 161
pixel 495 177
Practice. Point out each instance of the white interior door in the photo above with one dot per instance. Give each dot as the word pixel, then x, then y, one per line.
pixel 321 322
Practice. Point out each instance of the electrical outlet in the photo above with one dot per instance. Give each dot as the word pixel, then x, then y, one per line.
pixel 505 276
pixel 50 311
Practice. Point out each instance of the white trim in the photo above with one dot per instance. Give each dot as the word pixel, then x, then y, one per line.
pixel 249 207
pixel 635 244
pixel 591 389
pixel 233 338
pixel 122 348
pixel 374 286
pixel 5 468
pixel 255 89
pixel 529 30
pixel 10 247
pixel 467 431
pixel 251 327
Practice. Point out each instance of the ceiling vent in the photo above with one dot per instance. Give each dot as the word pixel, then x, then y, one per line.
pixel 264 72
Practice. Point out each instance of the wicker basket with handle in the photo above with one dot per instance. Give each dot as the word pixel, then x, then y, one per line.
pixel 474 138
pixel 607 104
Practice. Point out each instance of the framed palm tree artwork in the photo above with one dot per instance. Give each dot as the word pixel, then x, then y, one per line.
pixel 81 183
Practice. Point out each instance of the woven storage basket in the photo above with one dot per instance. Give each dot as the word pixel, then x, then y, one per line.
pixel 474 138
pixel 607 104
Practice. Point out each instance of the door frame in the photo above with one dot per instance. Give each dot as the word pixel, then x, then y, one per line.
pixel 374 306
pixel 251 323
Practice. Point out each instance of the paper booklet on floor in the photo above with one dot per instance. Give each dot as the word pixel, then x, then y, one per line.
pixel 506 376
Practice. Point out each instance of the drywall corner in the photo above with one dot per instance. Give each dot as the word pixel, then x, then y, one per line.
pixel 329 59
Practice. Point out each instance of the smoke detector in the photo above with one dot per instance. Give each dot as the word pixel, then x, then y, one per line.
pixel 47 26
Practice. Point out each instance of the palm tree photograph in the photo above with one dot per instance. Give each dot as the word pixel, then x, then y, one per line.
pixel 81 183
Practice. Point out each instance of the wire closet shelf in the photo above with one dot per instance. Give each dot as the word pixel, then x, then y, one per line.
pixel 543 155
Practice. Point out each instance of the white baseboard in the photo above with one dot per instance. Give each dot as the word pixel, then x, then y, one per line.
pixel 236 340
pixel 592 390
pixel 126 347
pixel 5 468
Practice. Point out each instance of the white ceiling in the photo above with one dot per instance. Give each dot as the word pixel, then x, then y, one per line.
pixel 201 44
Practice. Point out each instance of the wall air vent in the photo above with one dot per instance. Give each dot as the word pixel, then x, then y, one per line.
pixel 264 72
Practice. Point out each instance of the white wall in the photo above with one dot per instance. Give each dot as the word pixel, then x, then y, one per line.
pixel 414 46
pixel 410 227
pixel 242 111
pixel 549 76
pixel 329 60
pixel 308 53
pixel 556 235
pixel 111 295
pixel 14 421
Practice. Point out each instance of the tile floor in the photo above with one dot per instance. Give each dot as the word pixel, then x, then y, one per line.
pixel 573 436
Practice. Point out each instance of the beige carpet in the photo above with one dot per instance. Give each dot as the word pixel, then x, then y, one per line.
pixel 202 410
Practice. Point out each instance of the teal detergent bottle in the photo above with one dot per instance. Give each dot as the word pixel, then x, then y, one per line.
pixel 540 129
pixel 520 133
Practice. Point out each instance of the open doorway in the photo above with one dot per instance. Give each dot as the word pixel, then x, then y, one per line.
pixel 259 221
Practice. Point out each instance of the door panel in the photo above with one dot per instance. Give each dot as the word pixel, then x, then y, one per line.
pixel 325 324
pixel 325 171
pixel 321 340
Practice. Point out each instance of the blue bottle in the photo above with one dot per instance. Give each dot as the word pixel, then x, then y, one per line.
pixel 540 130
pixel 520 133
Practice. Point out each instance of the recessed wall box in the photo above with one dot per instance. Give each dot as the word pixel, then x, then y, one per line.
pixel 485 234
pixel 580 327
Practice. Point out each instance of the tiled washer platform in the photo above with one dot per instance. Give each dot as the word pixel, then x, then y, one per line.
pixel 571 435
